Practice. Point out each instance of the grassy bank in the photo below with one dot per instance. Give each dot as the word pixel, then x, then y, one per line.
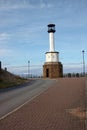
pixel 8 79
pixel 8 84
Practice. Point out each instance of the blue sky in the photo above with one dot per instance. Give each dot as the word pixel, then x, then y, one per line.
pixel 23 32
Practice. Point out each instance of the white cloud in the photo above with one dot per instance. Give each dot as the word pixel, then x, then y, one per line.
pixel 4 52
pixel 44 4
pixel 11 4
pixel 21 70
pixel 74 70
pixel 4 44
pixel 72 67
pixel 4 36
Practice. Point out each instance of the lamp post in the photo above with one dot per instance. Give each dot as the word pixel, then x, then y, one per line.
pixel 83 62
pixel 28 68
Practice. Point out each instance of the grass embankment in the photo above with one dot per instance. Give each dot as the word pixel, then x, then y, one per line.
pixel 7 84
pixel 9 80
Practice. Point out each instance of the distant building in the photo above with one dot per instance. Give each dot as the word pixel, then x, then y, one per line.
pixel 52 68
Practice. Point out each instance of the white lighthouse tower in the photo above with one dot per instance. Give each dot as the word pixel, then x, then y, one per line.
pixel 52 55
pixel 52 67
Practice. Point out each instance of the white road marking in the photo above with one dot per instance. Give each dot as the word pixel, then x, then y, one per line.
pixel 1 118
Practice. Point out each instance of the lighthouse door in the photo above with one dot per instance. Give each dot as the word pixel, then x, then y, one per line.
pixel 47 72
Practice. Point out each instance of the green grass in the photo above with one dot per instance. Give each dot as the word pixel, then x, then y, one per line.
pixel 8 79
pixel 7 84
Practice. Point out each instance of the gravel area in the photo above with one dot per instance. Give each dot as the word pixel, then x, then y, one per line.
pixel 61 107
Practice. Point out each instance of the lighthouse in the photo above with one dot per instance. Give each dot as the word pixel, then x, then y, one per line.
pixel 52 68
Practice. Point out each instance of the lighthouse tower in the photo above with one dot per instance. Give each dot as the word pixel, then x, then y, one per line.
pixel 52 68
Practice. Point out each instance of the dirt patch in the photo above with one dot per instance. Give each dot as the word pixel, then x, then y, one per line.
pixel 78 112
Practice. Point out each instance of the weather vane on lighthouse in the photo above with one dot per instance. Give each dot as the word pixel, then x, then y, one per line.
pixel 52 67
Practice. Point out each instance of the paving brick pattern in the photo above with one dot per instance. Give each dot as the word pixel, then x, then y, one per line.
pixel 50 110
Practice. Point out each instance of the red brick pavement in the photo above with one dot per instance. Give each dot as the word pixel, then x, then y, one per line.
pixel 52 109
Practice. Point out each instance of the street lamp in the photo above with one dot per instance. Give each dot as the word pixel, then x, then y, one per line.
pixel 83 62
pixel 28 68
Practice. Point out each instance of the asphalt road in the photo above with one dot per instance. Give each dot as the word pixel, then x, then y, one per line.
pixel 13 99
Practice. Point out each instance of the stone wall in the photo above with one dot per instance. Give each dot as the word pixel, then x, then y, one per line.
pixel 52 70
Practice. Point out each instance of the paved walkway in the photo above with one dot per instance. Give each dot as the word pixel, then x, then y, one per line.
pixel 58 108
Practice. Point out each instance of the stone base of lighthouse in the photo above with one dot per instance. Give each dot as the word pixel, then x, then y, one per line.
pixel 52 70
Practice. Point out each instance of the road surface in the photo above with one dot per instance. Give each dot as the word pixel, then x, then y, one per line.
pixel 13 99
pixel 61 107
